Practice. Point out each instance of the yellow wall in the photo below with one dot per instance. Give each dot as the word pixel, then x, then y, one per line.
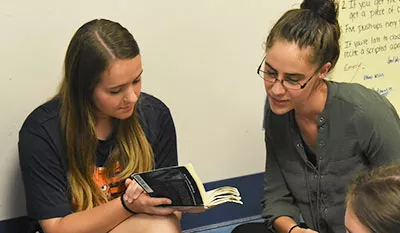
pixel 371 46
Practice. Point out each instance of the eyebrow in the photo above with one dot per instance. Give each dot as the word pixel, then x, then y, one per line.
pixel 286 74
pixel 121 85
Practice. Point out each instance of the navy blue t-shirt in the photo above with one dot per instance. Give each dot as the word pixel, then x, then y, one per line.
pixel 44 167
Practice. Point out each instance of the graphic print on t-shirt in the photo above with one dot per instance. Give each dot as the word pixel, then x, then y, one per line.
pixel 111 187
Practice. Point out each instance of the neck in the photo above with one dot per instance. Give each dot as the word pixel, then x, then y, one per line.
pixel 312 109
pixel 103 127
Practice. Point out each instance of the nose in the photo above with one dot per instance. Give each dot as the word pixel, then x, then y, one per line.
pixel 278 88
pixel 131 96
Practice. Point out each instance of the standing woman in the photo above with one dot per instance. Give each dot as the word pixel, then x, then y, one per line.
pixel 78 149
pixel 318 133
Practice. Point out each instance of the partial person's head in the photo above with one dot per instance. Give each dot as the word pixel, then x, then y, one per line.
pixel 100 89
pixel 301 48
pixel 373 202
pixel 102 70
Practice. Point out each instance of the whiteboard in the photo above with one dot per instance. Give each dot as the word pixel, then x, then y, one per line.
pixel 199 57
pixel 371 46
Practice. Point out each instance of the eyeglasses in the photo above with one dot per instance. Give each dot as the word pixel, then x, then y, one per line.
pixel 286 83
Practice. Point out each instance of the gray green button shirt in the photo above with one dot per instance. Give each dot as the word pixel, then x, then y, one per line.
pixel 358 129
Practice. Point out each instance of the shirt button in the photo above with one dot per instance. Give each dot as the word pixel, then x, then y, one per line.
pixel 298 145
pixel 321 143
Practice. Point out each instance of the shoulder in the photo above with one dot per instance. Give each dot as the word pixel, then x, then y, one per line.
pixel 158 126
pixel 149 101
pixel 39 137
pixel 360 101
pixel 44 115
pixel 151 105
pixel 153 115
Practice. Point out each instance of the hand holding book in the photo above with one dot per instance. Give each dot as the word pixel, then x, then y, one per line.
pixel 135 200
pixel 184 188
pixel 133 191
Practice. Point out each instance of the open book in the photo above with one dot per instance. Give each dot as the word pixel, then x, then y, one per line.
pixel 184 188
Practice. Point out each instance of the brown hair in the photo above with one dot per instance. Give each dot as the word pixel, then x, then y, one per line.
pixel 374 198
pixel 93 49
pixel 314 25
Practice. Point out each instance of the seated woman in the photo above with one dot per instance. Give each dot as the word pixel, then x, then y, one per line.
pixel 373 202
pixel 77 150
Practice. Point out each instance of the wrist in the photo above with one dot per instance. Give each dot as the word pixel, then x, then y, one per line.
pixel 291 230
pixel 125 206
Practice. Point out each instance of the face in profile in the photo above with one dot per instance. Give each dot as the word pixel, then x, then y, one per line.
pixel 286 61
pixel 353 225
pixel 118 89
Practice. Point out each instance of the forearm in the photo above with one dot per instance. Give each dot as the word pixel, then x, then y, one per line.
pixel 283 224
pixel 100 219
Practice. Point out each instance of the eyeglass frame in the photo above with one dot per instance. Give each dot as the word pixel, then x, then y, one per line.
pixel 302 86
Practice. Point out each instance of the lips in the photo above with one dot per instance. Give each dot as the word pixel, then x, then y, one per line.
pixel 126 108
pixel 278 101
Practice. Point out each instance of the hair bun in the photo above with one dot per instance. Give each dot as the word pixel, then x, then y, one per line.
pixel 326 9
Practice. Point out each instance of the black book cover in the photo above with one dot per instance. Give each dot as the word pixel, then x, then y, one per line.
pixel 175 183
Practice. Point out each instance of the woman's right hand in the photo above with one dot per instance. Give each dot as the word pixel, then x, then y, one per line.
pixel 133 190
pixel 150 205
pixel 140 202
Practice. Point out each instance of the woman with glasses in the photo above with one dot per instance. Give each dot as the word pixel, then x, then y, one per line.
pixel 78 149
pixel 373 202
pixel 318 133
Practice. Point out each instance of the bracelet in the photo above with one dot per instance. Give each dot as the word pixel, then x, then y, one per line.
pixel 126 207
pixel 291 229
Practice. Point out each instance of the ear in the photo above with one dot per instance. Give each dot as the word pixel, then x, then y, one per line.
pixel 324 70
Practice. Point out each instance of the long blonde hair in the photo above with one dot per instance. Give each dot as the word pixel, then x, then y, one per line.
pixel 93 48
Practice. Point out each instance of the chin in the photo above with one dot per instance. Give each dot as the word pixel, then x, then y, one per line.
pixel 123 116
pixel 280 110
